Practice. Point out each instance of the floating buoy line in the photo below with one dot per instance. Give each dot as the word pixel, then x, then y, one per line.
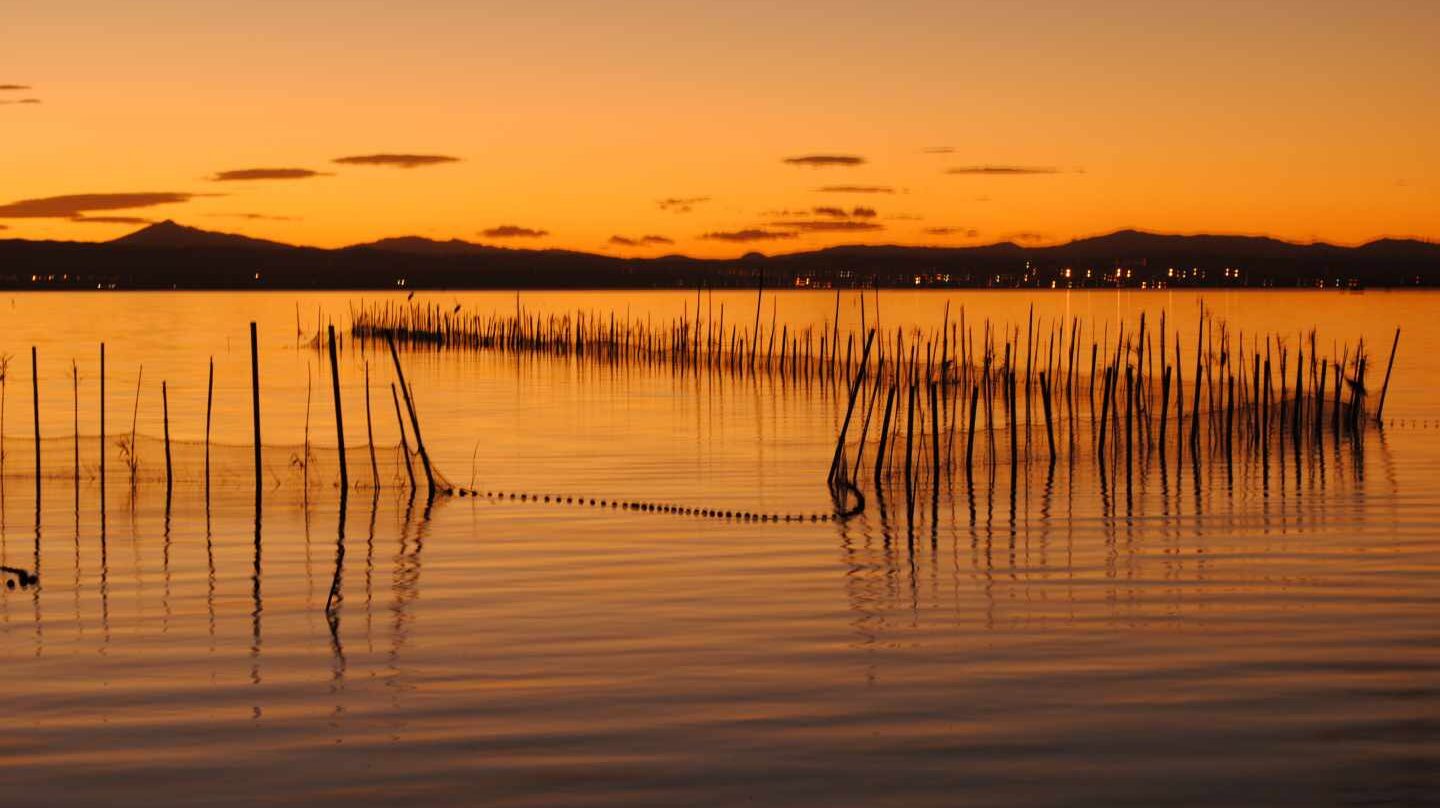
pixel 641 506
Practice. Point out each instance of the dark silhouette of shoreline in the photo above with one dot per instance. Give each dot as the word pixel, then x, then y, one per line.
pixel 171 256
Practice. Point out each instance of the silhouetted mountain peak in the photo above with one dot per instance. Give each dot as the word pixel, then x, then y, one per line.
pixel 419 245
pixel 172 235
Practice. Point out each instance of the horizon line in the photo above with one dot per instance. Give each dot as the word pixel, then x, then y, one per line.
pixel 849 245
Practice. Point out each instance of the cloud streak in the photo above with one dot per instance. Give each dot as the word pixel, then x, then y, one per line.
pixel 681 204
pixel 77 205
pixel 838 213
pixel 751 234
pixel 396 160
pixel 248 174
pixel 1002 171
pixel 22 101
pixel 111 220
pixel 967 232
pixel 855 189
pixel 254 217
pixel 825 160
pixel 642 241
pixel 829 226
pixel 513 231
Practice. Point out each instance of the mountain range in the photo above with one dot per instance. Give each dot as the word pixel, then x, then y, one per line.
pixel 168 255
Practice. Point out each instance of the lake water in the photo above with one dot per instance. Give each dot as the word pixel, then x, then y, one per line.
pixel 1201 633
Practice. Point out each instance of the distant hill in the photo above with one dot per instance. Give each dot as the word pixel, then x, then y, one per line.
pixel 169 255
pixel 169 235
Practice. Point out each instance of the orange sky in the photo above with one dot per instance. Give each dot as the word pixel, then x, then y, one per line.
pixel 1305 120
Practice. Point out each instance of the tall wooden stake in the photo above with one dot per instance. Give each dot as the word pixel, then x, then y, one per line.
pixel 339 413
pixel 255 409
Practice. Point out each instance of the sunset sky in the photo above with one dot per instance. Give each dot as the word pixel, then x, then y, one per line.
pixel 716 128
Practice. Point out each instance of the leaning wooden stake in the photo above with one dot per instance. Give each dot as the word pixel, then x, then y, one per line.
pixel 404 442
pixel 1045 401
pixel 370 432
pixel 1385 387
pixel 884 437
pixel 431 488
pixel 836 466
pixel 339 413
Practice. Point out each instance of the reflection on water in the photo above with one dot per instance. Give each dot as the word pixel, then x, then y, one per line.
pixel 1253 627
pixel 1177 625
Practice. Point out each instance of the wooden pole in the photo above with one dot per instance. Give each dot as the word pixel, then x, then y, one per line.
pixel 935 436
pixel 884 437
pixel 255 409
pixel 404 443
pixel 414 421
pixel 1385 388
pixel 835 465
pixel 165 419
pixel 75 384
pixel 370 432
pixel 1045 401
pixel 35 400
pixel 102 420
pixel 209 407
pixel 339 413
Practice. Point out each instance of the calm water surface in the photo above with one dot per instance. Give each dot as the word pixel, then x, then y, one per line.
pixel 1202 635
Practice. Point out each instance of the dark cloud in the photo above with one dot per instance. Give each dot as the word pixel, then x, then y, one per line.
pixel 22 101
pixel 513 231
pixel 939 150
pixel 254 217
pixel 14 86
pixel 752 234
pixel 855 189
pixel 77 205
pixel 820 160
pixel 1026 237
pixel 4 227
pixel 244 174
pixel 967 232
pixel 111 220
pixel 1002 171
pixel 642 241
pixel 681 204
pixel 829 225
pixel 396 160
pixel 835 213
